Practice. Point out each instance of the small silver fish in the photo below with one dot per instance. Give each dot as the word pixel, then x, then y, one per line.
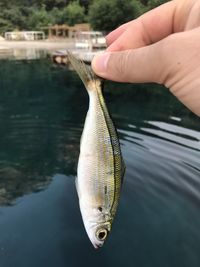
pixel 100 167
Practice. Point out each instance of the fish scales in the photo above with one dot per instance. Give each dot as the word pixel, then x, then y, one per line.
pixel 100 167
pixel 117 159
pixel 102 156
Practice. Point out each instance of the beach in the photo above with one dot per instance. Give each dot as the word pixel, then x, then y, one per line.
pixel 32 49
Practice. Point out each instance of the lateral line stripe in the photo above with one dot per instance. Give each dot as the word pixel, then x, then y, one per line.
pixel 107 125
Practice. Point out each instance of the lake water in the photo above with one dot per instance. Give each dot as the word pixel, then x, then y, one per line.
pixel 42 111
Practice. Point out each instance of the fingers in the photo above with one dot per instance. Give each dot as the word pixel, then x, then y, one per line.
pixel 165 62
pixel 129 37
pixel 147 29
pixel 140 63
pixel 136 65
pixel 112 36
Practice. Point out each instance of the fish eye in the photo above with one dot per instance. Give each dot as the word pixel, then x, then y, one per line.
pixel 102 234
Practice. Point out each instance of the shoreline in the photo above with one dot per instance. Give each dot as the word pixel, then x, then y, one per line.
pixel 32 49
pixel 43 44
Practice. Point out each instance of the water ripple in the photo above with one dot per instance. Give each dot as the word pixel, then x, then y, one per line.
pixel 165 165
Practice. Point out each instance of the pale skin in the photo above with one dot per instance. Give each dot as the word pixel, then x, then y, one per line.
pixel 161 46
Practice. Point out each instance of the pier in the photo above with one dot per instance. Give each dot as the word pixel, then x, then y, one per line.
pixel 60 56
pixel 87 44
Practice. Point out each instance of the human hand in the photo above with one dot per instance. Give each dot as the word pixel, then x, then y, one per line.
pixel 161 46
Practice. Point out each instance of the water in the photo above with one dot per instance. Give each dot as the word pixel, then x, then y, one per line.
pixel 42 111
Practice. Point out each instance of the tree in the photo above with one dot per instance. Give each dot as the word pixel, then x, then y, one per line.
pixel 85 4
pixel 73 13
pixel 5 25
pixel 14 16
pixel 106 15
pixel 102 14
pixel 56 15
pixel 144 2
pixel 50 4
pixel 155 3
pixel 40 18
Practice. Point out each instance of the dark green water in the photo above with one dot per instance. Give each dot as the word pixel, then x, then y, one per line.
pixel 42 111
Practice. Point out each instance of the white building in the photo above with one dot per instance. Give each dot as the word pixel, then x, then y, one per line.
pixel 90 40
pixel 25 35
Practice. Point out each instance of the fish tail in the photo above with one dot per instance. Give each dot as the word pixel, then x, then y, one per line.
pixel 85 72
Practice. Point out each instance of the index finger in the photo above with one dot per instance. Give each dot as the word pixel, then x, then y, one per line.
pixel 112 36
pixel 147 29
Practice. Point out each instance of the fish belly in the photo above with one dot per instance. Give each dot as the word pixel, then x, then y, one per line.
pixel 96 163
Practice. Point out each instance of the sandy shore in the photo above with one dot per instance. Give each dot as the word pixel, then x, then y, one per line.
pixel 32 49
pixel 42 45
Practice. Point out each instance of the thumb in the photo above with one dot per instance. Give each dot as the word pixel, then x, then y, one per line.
pixel 135 65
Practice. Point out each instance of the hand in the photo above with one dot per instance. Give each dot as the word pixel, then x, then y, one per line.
pixel 161 46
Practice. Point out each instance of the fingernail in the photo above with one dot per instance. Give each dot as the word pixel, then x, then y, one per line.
pixel 100 62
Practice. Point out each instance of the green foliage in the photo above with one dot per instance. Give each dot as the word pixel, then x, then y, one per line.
pixel 144 2
pixel 155 3
pixel 57 15
pixel 14 16
pixel 102 14
pixel 11 18
pixel 107 15
pixel 85 4
pixel 5 25
pixel 40 18
pixel 73 13
pixel 50 4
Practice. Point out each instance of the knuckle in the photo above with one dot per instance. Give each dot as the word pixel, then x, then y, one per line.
pixel 122 65
pixel 163 69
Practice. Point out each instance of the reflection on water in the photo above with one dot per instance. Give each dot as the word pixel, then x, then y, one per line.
pixel 22 54
pixel 42 111
pixel 28 54
pixel 38 137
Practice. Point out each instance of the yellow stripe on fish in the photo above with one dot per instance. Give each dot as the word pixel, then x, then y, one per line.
pixel 100 167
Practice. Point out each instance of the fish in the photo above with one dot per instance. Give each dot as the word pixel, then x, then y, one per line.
pixel 101 166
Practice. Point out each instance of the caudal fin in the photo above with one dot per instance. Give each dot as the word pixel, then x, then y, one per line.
pixel 85 72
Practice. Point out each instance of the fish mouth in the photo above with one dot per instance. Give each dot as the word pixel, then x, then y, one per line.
pixel 96 246
pixel 101 235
